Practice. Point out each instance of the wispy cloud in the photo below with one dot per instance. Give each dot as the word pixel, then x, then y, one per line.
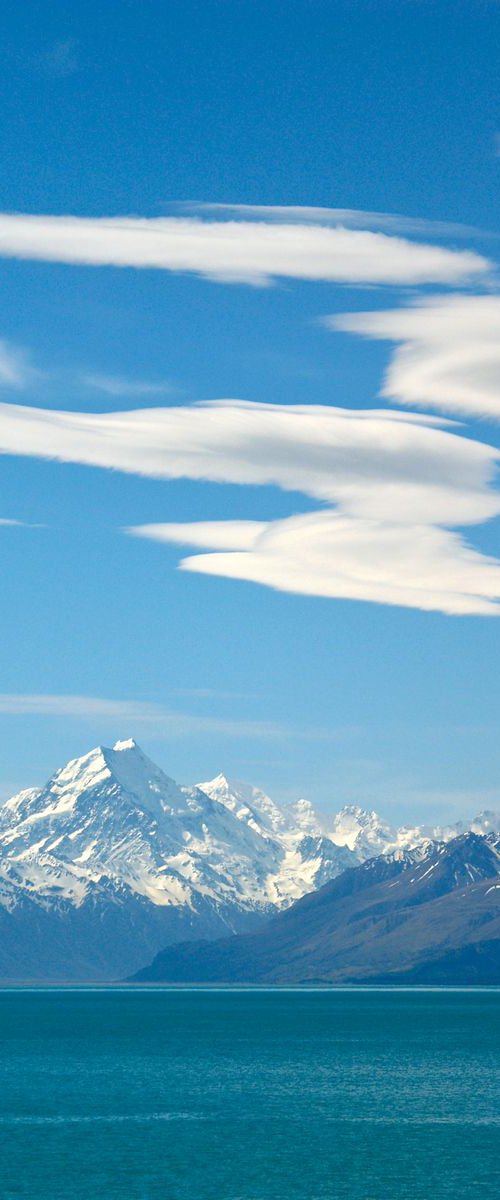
pixel 119 385
pixel 354 218
pixel 12 522
pixel 208 693
pixel 155 719
pixel 237 251
pixel 398 481
pixel 16 369
pixel 449 352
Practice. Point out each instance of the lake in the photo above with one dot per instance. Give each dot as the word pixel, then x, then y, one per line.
pixel 222 1094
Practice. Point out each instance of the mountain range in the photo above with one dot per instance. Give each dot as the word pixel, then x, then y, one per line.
pixel 430 916
pixel 112 861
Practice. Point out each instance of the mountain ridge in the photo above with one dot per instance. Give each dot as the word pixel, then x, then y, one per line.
pixel 116 853
pixel 394 918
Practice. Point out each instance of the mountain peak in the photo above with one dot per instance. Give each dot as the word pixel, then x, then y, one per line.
pixel 221 780
pixel 86 784
pixel 246 802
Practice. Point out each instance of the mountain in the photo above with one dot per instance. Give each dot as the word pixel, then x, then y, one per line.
pixel 112 860
pixel 306 857
pixel 429 915
pixel 365 832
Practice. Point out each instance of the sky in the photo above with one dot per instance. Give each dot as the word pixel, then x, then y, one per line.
pixel 250 395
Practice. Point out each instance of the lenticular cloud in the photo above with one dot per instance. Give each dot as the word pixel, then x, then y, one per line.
pixel 394 488
pixel 448 355
pixel 237 251
pixel 327 554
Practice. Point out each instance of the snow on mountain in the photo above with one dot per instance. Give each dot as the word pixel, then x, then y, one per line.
pixel 363 832
pixel 112 859
pixel 113 816
pixel 366 834
pixel 248 804
pixel 417 916
pixel 306 856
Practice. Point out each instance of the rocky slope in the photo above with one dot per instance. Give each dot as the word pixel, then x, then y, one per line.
pixel 430 915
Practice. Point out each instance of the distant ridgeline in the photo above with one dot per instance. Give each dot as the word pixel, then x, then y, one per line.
pixel 112 863
pixel 429 916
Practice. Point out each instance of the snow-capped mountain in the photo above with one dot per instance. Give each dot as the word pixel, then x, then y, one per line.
pixel 363 832
pixel 366 834
pixel 114 815
pixel 113 842
pixel 112 860
pixel 429 915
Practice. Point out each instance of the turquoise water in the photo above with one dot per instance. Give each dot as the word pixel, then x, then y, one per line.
pixel 249 1095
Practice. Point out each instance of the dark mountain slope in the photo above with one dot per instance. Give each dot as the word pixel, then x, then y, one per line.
pixel 427 916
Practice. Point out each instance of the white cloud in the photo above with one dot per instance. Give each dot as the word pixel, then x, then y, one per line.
pixel 376 464
pixel 328 554
pixel 449 356
pixel 397 481
pixel 118 385
pixel 239 251
pixel 14 523
pixel 354 217
pixel 157 720
pixel 208 535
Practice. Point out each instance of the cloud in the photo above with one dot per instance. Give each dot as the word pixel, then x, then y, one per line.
pixel 158 721
pixel 393 484
pixel 118 385
pixel 207 693
pixel 15 367
pixel 208 535
pixel 252 252
pixel 449 352
pixel 378 464
pixel 11 522
pixel 40 704
pixel 327 554
pixel 353 217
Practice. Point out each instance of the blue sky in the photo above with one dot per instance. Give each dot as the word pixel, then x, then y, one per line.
pixel 343 692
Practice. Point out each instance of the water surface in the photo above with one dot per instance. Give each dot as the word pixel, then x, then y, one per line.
pixel 194 1094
